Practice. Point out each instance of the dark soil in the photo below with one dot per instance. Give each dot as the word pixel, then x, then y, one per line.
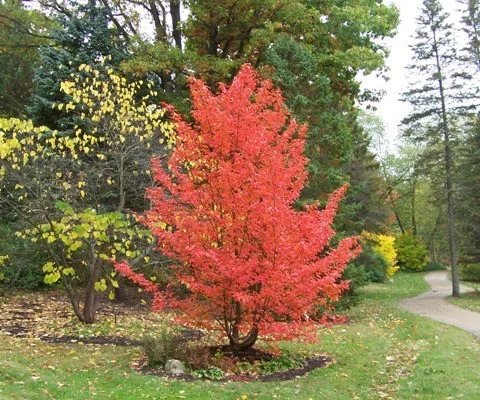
pixel 249 355
pixel 102 340
pixel 311 363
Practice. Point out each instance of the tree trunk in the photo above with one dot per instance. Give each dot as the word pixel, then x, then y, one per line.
pixel 414 221
pixel 89 306
pixel 237 344
pixel 73 296
pixel 448 179
pixel 176 19
pixel 120 291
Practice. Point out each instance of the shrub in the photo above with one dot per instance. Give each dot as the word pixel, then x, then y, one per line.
pixel 22 268
pixel 159 349
pixel 171 345
pixel 411 253
pixel 209 372
pixel 282 363
pixel 383 246
pixel 470 272
pixel 435 266
pixel 358 277
pixel 374 265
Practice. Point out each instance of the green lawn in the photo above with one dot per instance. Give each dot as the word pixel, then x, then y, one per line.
pixel 469 301
pixel 383 353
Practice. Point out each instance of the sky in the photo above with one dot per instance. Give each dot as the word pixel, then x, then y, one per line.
pixel 391 110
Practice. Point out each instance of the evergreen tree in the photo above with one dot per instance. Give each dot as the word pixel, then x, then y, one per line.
pixel 22 31
pixel 85 37
pixel 469 171
pixel 310 97
pixel 469 192
pixel 471 26
pixel 364 207
pixel 434 98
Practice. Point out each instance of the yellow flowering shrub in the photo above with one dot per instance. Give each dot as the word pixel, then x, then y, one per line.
pixel 384 245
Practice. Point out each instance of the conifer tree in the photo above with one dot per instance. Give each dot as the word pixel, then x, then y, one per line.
pixel 471 26
pixel 434 97
pixel 85 37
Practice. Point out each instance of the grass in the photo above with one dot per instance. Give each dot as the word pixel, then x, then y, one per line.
pixel 469 301
pixel 383 353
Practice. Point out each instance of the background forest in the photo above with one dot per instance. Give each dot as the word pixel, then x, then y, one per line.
pixel 82 88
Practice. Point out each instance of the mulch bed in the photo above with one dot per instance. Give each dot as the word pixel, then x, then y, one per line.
pixel 311 363
pixel 98 340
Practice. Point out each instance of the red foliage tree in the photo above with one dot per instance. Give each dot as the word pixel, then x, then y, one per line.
pixel 253 265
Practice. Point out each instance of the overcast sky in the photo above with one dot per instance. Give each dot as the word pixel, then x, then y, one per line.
pixel 391 110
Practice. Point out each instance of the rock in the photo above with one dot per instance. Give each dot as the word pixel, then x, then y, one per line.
pixel 174 367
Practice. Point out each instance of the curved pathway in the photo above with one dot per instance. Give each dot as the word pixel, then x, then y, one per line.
pixel 433 305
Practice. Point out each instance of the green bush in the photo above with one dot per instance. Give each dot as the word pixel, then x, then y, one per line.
pixel 368 267
pixel 170 344
pixel 435 266
pixel 358 278
pixel 209 372
pixel 374 265
pixel 470 272
pixel 159 349
pixel 282 363
pixel 23 269
pixel 411 253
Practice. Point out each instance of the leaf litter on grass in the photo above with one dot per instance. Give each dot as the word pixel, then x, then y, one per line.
pixel 48 316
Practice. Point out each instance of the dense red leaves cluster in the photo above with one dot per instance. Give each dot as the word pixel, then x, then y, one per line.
pixel 248 258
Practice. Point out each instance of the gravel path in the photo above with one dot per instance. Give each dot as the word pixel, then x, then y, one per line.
pixel 433 305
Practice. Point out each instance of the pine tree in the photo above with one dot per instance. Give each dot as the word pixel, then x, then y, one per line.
pixel 434 99
pixel 85 37
pixel 469 171
pixel 469 191
pixel 22 32
pixel 471 26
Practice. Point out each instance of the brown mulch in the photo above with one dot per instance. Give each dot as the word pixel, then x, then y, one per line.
pixel 311 363
pixel 31 315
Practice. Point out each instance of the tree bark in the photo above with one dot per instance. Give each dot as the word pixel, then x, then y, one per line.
pixel 414 221
pixel 448 178
pixel 89 307
pixel 120 291
pixel 176 19
pixel 245 343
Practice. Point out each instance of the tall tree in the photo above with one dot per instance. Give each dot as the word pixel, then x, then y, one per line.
pixel 469 165
pixel 471 26
pixel 84 37
pixel 434 98
pixel 22 32
pixel 367 208
pixel 311 98
pixel 469 172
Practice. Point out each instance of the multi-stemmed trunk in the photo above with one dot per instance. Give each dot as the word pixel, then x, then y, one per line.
pixel 237 341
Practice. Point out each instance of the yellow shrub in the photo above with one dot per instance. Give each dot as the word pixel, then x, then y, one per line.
pixel 384 245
